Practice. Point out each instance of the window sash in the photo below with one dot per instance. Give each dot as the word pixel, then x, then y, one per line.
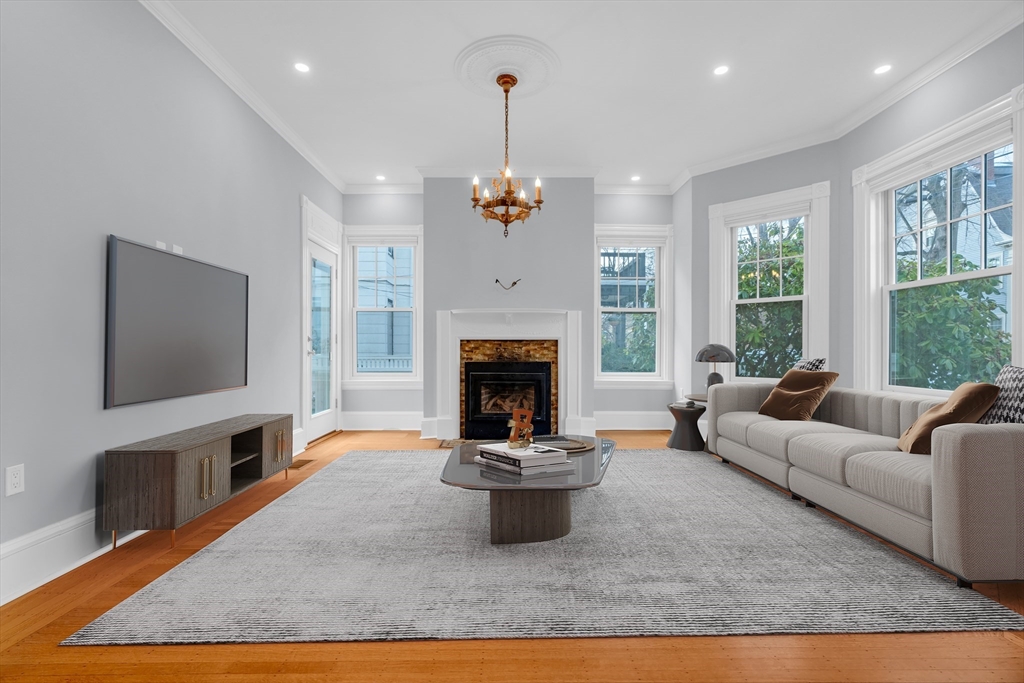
pixel 804 332
pixel 656 310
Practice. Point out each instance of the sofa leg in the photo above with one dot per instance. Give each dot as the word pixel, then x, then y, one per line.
pixel 793 496
pixel 809 504
pixel 724 461
pixel 962 583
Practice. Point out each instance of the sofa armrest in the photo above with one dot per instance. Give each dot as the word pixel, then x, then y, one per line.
pixel 732 397
pixel 978 500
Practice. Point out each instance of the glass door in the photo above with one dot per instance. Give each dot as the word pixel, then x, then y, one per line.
pixel 321 340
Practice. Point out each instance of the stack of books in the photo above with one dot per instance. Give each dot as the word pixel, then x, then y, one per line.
pixel 531 461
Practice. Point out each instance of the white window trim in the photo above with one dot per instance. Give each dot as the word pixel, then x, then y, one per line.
pixel 380 236
pixel 991 126
pixel 659 237
pixel 811 201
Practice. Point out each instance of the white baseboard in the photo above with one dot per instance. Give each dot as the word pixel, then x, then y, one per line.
pixel 298 441
pixel 584 426
pixel 634 419
pixel 375 421
pixel 428 428
pixel 447 428
pixel 29 561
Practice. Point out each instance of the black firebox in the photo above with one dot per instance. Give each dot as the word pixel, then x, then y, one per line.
pixel 495 388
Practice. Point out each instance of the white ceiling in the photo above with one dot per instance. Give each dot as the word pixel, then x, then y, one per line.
pixel 635 94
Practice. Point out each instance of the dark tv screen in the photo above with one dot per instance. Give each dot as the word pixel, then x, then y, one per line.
pixel 175 326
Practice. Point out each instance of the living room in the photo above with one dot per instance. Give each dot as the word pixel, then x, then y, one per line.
pixel 186 127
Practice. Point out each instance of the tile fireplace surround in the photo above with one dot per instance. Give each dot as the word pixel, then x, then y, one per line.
pixel 456 326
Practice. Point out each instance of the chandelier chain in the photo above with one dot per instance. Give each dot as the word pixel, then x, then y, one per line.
pixel 506 129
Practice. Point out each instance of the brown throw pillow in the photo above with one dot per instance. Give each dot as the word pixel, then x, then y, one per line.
pixel 967 403
pixel 798 394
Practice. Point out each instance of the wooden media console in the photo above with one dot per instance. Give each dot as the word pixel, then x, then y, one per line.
pixel 167 481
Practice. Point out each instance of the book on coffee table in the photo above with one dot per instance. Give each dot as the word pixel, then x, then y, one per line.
pixel 522 457
pixel 502 477
pixel 551 468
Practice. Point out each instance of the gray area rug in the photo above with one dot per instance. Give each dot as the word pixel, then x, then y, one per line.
pixel 375 547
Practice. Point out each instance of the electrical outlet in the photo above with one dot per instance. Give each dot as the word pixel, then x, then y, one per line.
pixel 161 245
pixel 177 250
pixel 16 479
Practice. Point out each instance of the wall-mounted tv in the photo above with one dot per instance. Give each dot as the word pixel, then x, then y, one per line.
pixel 175 326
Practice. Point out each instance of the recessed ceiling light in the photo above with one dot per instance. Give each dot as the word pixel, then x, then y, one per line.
pixel 721 70
pixel 380 177
pixel 635 178
pixel 882 69
pixel 299 66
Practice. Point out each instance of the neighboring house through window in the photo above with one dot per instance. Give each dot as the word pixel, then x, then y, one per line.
pixel 383 276
pixel 634 305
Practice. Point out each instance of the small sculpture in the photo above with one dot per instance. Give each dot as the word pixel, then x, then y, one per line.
pixel 522 429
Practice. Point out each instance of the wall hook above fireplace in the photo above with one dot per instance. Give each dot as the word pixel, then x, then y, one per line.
pixel 497 281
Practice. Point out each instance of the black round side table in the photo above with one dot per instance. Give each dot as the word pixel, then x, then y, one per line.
pixel 685 435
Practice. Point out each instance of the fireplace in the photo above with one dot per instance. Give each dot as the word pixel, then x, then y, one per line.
pixel 494 388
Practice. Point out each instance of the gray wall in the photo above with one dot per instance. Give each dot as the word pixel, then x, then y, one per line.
pixel 383 209
pixel 111 125
pixel 552 255
pixel 990 73
pixel 632 209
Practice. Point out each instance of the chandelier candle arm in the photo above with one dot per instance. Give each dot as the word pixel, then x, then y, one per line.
pixel 505 197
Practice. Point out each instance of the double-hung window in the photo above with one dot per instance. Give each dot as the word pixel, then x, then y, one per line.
pixel 937 290
pixel 634 319
pixel 950 268
pixel 384 294
pixel 769 280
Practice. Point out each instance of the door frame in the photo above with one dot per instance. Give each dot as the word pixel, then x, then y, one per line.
pixel 321 229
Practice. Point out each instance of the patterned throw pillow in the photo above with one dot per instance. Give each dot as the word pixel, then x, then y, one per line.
pixel 812 364
pixel 1009 405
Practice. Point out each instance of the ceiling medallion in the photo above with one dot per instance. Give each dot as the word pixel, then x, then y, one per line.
pixel 529 60
pixel 506 206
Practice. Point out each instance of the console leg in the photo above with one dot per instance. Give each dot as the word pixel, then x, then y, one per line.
pixel 286 474
pixel 114 543
pixel 172 538
pixel 962 583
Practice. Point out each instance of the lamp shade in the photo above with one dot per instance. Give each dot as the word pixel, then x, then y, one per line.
pixel 715 353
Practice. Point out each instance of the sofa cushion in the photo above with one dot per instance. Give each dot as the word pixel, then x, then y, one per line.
pixel 772 438
pixel 967 403
pixel 826 454
pixel 898 478
pixel 1009 405
pixel 733 426
pixel 812 364
pixel 798 394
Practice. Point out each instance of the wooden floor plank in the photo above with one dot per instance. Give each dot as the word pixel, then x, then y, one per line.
pixel 32 626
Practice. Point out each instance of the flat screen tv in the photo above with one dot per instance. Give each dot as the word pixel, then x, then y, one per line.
pixel 175 326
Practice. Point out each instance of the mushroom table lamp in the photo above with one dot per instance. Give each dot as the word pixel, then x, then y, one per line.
pixel 715 353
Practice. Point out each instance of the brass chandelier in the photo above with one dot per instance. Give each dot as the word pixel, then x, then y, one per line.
pixel 509 203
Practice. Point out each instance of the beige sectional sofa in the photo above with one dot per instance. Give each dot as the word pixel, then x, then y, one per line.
pixel 962 508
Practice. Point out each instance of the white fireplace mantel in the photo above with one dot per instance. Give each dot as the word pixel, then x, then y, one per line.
pixel 509 323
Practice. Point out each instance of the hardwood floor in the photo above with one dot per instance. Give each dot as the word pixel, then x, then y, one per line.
pixel 32 626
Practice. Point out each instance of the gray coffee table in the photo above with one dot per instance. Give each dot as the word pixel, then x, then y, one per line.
pixel 531 509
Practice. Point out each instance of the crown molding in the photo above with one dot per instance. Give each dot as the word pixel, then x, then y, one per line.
pixel 680 180
pixel 633 189
pixel 1005 22
pixel 180 27
pixel 384 189
pixel 1002 24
